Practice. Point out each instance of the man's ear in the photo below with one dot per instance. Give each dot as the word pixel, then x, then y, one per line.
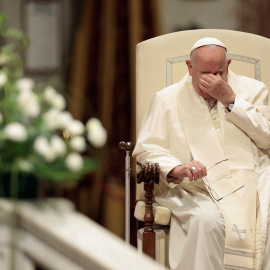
pixel 189 65
pixel 228 63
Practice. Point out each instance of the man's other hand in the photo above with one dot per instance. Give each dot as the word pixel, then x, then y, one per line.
pixel 194 170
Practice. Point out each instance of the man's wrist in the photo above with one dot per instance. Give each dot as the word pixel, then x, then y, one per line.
pixel 227 99
pixel 173 175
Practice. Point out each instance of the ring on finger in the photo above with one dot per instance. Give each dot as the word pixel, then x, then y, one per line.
pixel 193 168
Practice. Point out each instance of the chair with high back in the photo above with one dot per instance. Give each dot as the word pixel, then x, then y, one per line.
pixel 160 62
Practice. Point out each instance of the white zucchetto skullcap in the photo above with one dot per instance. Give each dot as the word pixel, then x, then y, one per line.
pixel 207 41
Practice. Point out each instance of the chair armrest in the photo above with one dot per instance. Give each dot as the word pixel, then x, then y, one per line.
pixel 162 215
pixel 149 175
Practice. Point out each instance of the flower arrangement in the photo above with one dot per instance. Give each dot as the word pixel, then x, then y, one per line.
pixel 37 135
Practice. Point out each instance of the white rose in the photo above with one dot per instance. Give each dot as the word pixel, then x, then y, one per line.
pixel 16 132
pixel 43 148
pixel 65 119
pixel 58 145
pixel 51 118
pixel 96 134
pixel 56 119
pixel 25 165
pixel 27 101
pixel 59 102
pixel 25 84
pixel 97 137
pixel 23 97
pixel 3 79
pixel 32 109
pixel 75 128
pixel 49 94
pixel 55 99
pixel 93 123
pixel 78 143
pixel 41 145
pixel 74 162
pixel 50 155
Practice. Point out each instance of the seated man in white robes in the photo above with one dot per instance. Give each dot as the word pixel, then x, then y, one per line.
pixel 210 134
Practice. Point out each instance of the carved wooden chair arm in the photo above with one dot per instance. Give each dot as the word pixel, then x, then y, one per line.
pixel 149 175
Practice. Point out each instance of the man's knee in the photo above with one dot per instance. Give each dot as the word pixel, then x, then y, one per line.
pixel 208 220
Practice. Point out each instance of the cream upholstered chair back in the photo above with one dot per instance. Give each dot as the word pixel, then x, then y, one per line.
pixel 160 62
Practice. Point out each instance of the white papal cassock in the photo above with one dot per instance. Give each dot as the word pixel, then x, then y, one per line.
pixel 178 128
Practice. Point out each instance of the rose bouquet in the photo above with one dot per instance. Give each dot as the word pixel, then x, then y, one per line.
pixel 38 137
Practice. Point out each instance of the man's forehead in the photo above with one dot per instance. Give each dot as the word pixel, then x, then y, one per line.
pixel 209 59
pixel 209 55
pixel 207 41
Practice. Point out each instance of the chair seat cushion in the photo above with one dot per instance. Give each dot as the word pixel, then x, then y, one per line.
pixel 162 215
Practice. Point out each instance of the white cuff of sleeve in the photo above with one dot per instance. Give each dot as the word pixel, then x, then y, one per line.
pixel 240 103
